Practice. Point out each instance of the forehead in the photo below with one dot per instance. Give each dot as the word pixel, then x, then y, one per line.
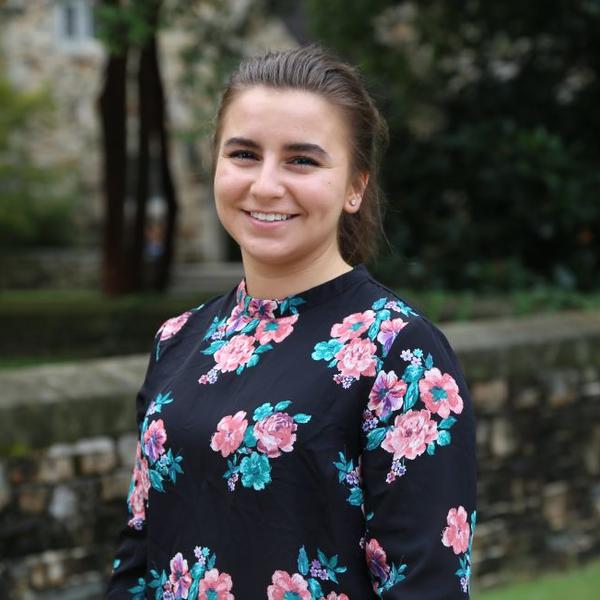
pixel 265 114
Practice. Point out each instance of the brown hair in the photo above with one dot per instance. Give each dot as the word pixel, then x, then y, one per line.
pixel 312 69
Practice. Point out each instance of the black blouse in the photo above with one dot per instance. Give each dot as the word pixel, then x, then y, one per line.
pixel 315 447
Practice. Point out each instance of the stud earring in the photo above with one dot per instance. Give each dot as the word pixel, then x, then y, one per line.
pixel 353 201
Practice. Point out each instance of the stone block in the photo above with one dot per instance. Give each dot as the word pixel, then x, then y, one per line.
pixel 32 498
pixel 562 387
pixel 490 396
pixel 63 505
pixel 115 486
pixel 57 464
pixel 527 397
pixel 555 504
pixel 503 440
pixel 96 455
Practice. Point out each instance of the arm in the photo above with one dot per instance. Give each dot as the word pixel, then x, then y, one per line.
pixel 129 566
pixel 418 468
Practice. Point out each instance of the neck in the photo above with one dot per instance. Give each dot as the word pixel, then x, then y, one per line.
pixel 272 281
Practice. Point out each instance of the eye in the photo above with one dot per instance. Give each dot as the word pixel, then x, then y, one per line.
pixel 242 154
pixel 304 161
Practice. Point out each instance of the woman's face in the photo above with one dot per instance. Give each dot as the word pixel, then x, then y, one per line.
pixel 283 176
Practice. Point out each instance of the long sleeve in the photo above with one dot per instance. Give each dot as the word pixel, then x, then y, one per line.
pixel 418 468
pixel 129 566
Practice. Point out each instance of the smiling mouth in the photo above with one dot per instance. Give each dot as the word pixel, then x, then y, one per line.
pixel 269 217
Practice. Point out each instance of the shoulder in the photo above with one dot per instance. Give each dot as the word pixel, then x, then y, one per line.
pixel 409 328
pixel 186 323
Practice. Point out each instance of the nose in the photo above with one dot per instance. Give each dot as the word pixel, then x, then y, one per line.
pixel 267 184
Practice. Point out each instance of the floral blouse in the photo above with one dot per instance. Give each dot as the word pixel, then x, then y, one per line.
pixel 319 447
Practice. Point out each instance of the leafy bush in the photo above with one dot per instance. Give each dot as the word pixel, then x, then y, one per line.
pixel 36 203
pixel 492 173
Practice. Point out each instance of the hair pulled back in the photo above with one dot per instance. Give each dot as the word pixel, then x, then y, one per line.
pixel 312 69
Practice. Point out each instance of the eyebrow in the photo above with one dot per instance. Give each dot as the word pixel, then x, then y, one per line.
pixel 294 147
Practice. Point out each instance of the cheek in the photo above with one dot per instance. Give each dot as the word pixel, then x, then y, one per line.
pixel 228 183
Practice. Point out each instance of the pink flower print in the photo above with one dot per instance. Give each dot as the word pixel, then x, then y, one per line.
pixel 154 440
pixel 237 320
pixel 412 432
pixel 237 351
pixel 357 358
pixel 137 504
pixel 215 586
pixel 275 434
pixel 387 394
pixel 458 532
pixel 262 309
pixel 171 326
pixel 334 596
pixel 440 393
pixel 230 433
pixel 288 586
pixel 141 476
pixel 377 561
pixel 275 329
pixel 353 326
pixel 388 332
pixel 180 577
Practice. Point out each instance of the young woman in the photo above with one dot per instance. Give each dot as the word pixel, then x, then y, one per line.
pixel 308 435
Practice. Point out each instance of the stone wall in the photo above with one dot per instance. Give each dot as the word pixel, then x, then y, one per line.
pixel 67 444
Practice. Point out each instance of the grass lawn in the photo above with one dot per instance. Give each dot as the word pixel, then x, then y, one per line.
pixel 578 584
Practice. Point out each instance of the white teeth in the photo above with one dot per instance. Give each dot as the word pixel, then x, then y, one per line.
pixel 270 216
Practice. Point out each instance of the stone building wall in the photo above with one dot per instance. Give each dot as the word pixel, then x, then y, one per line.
pixel 66 449
pixel 38 55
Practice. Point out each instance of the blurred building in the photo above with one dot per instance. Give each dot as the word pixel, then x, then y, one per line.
pixel 53 45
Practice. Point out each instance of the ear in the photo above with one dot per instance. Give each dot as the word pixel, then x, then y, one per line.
pixel 355 192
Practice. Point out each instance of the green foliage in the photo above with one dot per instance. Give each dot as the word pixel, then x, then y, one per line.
pixel 35 205
pixel 492 174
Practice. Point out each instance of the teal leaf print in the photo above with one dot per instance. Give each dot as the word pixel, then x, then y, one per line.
pixel 139 591
pixel 326 350
pixel 250 327
pixel 375 437
pixel 411 396
pixel 264 348
pixel 302 418
pixel 316 592
pixel 446 423
pixel 412 373
pixel 214 347
pixel 249 437
pixel 263 411
pixel 156 480
pixel 431 449
pixel 379 304
pixel 253 360
pixel 281 406
pixel 429 362
pixel 332 363
pixel 356 496
pixel 444 438
pixel 303 561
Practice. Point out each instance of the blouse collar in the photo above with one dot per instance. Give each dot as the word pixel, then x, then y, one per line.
pixel 261 308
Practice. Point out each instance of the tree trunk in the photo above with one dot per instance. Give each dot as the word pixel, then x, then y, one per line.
pixel 154 120
pixel 113 116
